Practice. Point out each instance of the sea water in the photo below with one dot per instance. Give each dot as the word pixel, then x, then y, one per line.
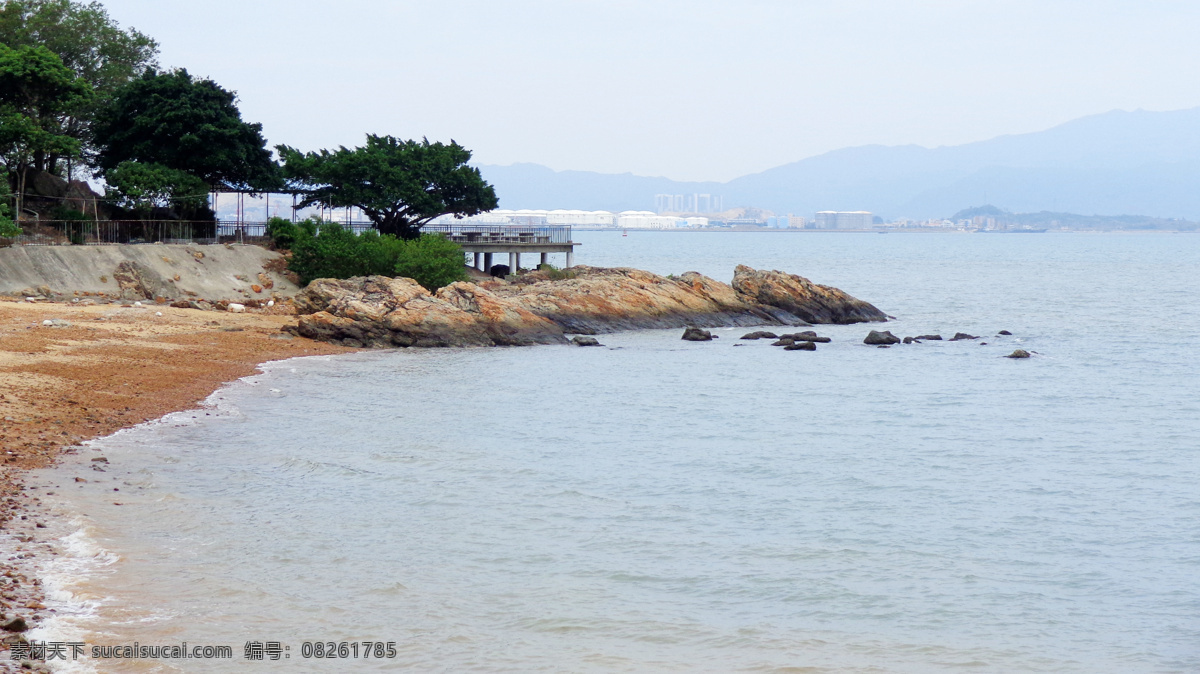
pixel 667 506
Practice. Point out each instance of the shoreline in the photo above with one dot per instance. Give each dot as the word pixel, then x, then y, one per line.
pixel 102 369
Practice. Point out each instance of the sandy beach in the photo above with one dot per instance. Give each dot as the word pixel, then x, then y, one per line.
pixel 93 371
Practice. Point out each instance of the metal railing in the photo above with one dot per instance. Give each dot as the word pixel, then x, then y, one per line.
pixel 470 233
pixel 94 233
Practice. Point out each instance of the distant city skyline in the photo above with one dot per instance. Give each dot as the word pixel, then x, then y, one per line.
pixel 754 85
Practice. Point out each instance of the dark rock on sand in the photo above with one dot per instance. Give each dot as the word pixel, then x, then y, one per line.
pixel 881 338
pixel 582 340
pixel 1019 353
pixel 17 624
pixel 801 346
pixel 959 336
pixel 697 335
pixel 760 334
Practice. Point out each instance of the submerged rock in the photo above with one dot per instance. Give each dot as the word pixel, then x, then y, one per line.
pixel 1005 332
pixel 760 334
pixel 1019 353
pixel 697 335
pixel 787 340
pixel 583 340
pixel 959 336
pixel 801 346
pixel 909 340
pixel 931 338
pixel 809 336
pixel 881 338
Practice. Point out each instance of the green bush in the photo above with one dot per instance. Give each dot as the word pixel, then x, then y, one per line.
pixel 327 250
pixel 554 273
pixel 8 228
pixel 431 260
pixel 282 233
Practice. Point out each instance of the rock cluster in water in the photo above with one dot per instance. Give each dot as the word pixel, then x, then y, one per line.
pixel 385 312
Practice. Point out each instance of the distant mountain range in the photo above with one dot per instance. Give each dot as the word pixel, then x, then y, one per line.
pixel 1113 163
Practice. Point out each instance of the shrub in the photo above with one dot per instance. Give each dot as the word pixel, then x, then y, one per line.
pixel 282 233
pixel 8 228
pixel 327 250
pixel 431 260
pixel 554 273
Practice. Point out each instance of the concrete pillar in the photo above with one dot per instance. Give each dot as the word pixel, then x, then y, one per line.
pixel 518 265
pixel 570 258
pixel 487 262
pixel 478 259
pixel 545 259
pixel 512 263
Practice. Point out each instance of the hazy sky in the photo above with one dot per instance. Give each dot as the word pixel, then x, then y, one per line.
pixel 694 90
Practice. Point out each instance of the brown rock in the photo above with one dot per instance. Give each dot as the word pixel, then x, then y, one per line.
pixel 256 288
pixel 802 298
pixel 534 309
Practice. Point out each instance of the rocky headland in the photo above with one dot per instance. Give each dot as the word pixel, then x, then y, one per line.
pixel 542 308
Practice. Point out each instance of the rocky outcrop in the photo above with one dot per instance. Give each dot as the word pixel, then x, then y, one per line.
pixel 383 312
pixel 536 309
pixel 138 282
pixel 876 338
pixel 803 298
pixel 597 300
pixel 696 335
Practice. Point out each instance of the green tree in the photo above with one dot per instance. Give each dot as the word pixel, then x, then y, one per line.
pixel 399 184
pixel 143 187
pixel 89 43
pixel 8 228
pixel 36 92
pixel 186 124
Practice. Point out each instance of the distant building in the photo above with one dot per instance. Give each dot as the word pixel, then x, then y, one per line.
pixel 690 203
pixel 845 220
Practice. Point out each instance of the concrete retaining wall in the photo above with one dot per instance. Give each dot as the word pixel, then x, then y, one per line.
pixel 212 272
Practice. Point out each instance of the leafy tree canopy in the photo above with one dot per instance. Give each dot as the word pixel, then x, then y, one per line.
pixel 36 91
pixel 142 187
pixel 399 184
pixel 84 37
pixel 90 45
pixel 186 124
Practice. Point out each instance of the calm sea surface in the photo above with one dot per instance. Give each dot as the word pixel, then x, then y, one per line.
pixel 666 506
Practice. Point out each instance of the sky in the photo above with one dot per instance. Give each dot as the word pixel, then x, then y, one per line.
pixel 689 90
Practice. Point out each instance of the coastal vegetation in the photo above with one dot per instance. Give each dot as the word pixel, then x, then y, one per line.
pixel 79 95
pixel 328 250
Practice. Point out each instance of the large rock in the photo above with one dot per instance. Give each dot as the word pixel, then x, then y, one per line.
pixel 381 311
pixel 802 298
pixel 598 300
pixel 139 282
pixel 536 309
pixel 696 335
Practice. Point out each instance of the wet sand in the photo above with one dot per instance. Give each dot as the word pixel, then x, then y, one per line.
pixel 102 368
